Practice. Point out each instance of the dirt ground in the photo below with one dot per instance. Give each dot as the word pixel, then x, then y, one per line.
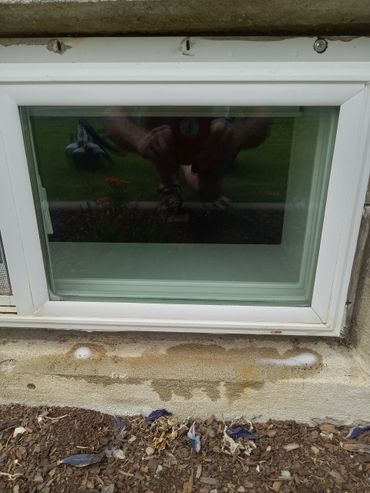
pixel 133 454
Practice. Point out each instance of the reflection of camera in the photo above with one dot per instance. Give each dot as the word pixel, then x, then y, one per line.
pixel 189 134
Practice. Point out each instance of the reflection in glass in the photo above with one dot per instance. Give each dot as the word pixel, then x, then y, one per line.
pixel 180 203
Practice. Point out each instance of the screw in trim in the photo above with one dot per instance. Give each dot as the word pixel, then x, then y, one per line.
pixel 320 45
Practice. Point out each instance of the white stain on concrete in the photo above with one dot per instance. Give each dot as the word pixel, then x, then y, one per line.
pixel 83 352
pixel 300 360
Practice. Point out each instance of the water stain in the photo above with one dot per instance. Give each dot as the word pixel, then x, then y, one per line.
pixel 182 369
pixel 166 388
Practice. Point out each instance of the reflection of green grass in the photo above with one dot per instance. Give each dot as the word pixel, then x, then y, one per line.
pixel 259 174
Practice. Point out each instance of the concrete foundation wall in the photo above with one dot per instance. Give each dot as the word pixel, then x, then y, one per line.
pixel 190 375
pixel 227 376
pixel 243 17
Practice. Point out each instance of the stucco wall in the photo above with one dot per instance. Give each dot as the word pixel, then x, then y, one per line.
pixel 244 17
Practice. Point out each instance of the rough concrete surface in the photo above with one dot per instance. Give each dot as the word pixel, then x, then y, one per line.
pixel 361 319
pixel 191 375
pixel 92 17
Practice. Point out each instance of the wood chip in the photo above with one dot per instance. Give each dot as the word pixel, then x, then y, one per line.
pixel 19 431
pixel 315 450
pixel 271 433
pixel 188 485
pixel 328 428
pixel 361 448
pixel 206 480
pixel 199 471
pixel 337 477
pixel 277 485
pixel 291 446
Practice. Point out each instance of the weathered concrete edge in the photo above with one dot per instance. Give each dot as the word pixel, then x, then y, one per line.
pixel 87 18
pixel 190 375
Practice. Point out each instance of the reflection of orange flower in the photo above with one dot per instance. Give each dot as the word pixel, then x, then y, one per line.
pixel 102 200
pixel 112 180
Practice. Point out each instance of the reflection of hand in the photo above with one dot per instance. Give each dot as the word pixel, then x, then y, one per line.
pixel 157 145
pixel 219 144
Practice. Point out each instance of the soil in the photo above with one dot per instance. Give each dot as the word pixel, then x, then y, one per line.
pixel 144 456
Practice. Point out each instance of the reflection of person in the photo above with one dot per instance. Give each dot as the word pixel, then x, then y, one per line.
pixel 203 147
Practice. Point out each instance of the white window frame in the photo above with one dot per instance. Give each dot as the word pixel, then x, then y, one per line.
pixel 205 78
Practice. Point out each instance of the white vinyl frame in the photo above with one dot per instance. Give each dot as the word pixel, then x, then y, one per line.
pixel 292 75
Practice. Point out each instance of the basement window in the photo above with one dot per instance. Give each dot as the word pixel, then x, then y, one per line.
pixel 152 184
pixel 216 204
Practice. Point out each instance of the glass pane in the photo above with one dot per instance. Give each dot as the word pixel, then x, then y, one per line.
pixel 200 204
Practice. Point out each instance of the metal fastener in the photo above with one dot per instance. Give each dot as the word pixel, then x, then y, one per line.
pixel 320 45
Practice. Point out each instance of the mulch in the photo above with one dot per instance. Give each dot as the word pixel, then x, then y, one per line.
pixel 202 226
pixel 137 455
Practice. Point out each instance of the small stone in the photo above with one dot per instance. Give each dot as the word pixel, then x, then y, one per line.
pixel 159 469
pixel 241 489
pixel 149 451
pixel 268 449
pixel 271 433
pixel 291 446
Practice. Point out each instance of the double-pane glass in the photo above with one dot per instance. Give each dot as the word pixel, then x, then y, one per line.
pixel 192 204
